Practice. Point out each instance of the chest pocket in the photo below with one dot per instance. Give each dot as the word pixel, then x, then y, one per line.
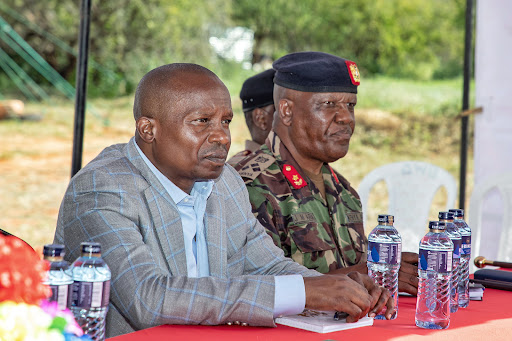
pixel 312 245
pixel 310 237
pixel 307 235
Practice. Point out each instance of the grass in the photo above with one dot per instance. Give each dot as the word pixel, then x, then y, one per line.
pixel 396 120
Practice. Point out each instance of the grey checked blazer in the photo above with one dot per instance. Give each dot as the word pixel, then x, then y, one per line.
pixel 117 201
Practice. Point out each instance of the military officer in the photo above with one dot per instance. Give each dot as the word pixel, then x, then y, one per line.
pixel 308 208
pixel 258 106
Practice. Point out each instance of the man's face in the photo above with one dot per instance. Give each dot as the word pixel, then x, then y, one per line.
pixel 192 143
pixel 322 124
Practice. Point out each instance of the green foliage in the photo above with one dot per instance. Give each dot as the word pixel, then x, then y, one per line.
pixel 127 38
pixel 402 38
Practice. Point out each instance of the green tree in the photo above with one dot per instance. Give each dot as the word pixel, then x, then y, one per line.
pixel 404 38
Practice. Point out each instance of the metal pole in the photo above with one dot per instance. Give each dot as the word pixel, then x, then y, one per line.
pixel 81 86
pixel 468 51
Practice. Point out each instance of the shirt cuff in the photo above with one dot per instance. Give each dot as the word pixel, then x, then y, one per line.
pixel 289 295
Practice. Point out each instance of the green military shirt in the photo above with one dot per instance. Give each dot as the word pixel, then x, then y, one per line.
pixel 322 234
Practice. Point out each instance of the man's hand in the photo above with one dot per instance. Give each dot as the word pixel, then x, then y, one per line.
pixel 380 297
pixel 408 275
pixel 356 295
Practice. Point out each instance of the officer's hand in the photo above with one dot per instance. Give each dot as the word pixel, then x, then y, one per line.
pixel 408 275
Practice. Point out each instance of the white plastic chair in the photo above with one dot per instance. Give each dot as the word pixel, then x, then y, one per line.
pixel 411 187
pixel 490 238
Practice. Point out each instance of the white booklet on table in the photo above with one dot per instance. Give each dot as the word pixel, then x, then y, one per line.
pixel 321 321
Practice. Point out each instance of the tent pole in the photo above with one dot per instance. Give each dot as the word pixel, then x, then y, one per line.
pixel 468 43
pixel 81 86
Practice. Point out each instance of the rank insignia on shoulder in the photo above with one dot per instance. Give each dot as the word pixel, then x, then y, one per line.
pixel 293 176
pixel 251 168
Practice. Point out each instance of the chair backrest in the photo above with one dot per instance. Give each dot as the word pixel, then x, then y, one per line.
pixel 411 187
pixel 492 238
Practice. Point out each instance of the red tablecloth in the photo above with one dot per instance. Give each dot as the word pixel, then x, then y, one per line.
pixel 490 319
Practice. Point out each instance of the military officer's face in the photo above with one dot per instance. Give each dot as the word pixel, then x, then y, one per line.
pixel 322 124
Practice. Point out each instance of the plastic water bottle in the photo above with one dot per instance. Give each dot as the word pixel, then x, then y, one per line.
pixel 91 291
pixel 453 232
pixel 59 275
pixel 434 269
pixel 465 256
pixel 384 257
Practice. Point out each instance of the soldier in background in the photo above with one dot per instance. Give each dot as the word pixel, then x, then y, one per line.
pixel 258 106
pixel 308 208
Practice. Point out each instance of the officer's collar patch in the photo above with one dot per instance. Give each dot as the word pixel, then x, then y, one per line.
pixel 293 176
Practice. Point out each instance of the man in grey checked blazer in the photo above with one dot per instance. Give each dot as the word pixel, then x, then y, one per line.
pixel 182 114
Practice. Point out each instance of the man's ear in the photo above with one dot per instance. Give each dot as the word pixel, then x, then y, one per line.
pixel 285 111
pixel 146 128
pixel 261 119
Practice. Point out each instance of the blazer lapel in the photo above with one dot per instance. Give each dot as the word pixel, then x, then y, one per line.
pixel 216 237
pixel 165 216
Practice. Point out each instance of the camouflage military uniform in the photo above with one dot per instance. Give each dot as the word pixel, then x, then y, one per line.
pixel 321 234
pixel 250 147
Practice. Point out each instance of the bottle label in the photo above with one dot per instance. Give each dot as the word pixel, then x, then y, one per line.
pixel 457 244
pixel 61 295
pixel 389 253
pixel 439 261
pixel 466 245
pixel 90 294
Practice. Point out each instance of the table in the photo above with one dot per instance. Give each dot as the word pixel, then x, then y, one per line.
pixel 490 319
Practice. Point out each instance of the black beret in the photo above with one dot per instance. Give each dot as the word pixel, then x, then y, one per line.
pixel 316 72
pixel 257 91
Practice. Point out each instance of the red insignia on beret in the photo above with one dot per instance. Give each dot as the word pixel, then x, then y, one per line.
pixel 334 175
pixel 293 176
pixel 353 71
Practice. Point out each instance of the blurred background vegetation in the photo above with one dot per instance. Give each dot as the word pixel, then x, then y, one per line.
pixel 413 39
pixel 409 52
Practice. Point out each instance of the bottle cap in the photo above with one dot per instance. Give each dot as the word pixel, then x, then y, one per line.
pixel 457 212
pixel 53 250
pixel 386 218
pixel 90 247
pixel 437 225
pixel 445 215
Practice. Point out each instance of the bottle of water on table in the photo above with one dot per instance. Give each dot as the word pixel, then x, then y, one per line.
pixel 91 290
pixel 384 257
pixel 465 256
pixel 434 269
pixel 59 275
pixel 453 232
